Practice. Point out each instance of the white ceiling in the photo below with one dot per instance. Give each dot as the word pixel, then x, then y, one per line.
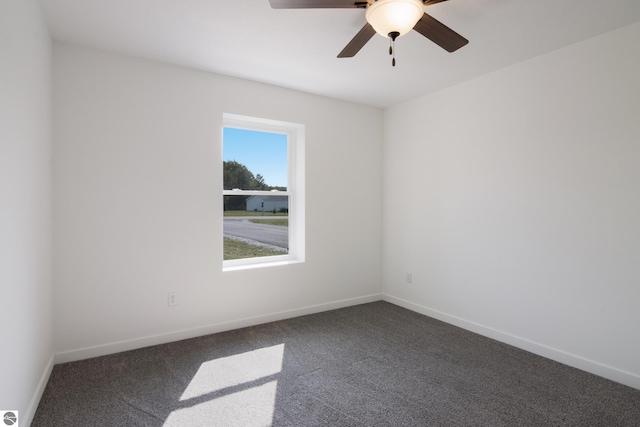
pixel 297 48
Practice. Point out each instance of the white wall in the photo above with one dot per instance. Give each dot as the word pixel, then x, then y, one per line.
pixel 514 199
pixel 25 206
pixel 138 206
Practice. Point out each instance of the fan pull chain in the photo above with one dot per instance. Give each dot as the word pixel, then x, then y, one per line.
pixel 392 44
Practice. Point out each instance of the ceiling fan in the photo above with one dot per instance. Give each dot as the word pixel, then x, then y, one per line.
pixel 389 18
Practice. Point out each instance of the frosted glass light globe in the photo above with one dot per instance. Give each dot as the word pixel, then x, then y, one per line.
pixel 386 16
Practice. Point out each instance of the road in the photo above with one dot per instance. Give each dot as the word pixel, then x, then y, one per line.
pixel 270 234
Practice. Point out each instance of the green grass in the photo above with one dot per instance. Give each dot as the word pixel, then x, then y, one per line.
pixel 234 249
pixel 283 222
pixel 249 213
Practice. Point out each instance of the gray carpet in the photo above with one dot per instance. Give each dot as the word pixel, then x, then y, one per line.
pixel 369 365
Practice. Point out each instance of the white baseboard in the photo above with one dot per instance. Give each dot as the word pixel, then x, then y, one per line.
pixel 27 417
pixel 136 343
pixel 614 374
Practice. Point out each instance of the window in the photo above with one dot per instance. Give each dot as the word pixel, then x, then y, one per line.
pixel 263 192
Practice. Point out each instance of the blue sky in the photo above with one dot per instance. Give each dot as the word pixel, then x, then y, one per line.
pixel 262 153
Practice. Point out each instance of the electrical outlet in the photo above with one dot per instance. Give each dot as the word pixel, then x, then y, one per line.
pixel 408 277
pixel 172 299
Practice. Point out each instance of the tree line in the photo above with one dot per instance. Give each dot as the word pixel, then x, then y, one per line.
pixel 237 175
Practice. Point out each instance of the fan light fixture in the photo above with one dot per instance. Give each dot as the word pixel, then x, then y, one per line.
pixel 394 16
pixel 389 18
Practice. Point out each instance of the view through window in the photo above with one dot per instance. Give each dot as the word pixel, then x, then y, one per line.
pixel 259 165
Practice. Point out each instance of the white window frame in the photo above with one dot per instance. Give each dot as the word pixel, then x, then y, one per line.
pixel 295 189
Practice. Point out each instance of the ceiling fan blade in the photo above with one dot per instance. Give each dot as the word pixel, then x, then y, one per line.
pixel 430 2
pixel 356 43
pixel 316 4
pixel 439 33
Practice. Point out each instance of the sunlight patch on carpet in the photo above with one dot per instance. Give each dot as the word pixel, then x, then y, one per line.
pixel 235 370
pixel 244 394
pixel 252 407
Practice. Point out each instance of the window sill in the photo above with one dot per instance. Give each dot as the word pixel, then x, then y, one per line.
pixel 248 266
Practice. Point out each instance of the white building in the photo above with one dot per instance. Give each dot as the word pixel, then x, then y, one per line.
pixel 267 203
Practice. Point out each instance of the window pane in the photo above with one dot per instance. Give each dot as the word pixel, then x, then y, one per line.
pixel 263 192
pixel 256 226
pixel 254 160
